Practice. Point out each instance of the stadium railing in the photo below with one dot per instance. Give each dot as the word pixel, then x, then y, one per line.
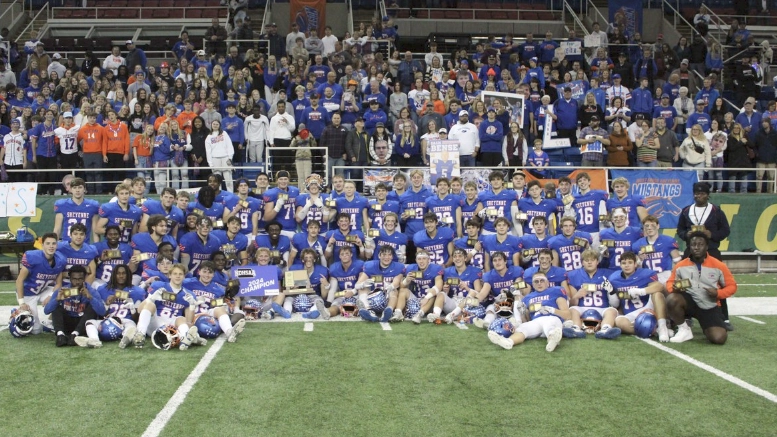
pixel 138 13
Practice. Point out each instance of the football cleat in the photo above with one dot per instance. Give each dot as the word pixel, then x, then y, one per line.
pixel 368 315
pixel 683 334
pixel 235 331
pixel 46 324
pixel 480 323
pixel 139 340
pixel 663 334
pixel 417 318
pixel 268 315
pixel 609 334
pixel 553 339
pixel 280 310
pixel 322 309
pixel 449 318
pixel 61 340
pixel 126 337
pixel 88 342
pixel 311 314
pixel 727 324
pixel 71 339
pixel 499 340
pixel 388 313
pixel 645 324
pixel 398 316
pixel 20 323
pixel 433 318
pixel 192 338
pixel 572 332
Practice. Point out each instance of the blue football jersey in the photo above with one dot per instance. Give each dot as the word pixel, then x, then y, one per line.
pixel 174 217
pixel 467 210
pixel 478 257
pixel 445 209
pixel 105 268
pixel 569 252
pixel 660 258
pixel 214 213
pixel 354 208
pixel 315 277
pixel 314 213
pixel 468 277
pixel 301 241
pixel 373 268
pixel 501 282
pixel 548 297
pixel 145 244
pixel 437 246
pixel 73 213
pixel 556 275
pixel 113 308
pixel 41 273
pixel 346 278
pixel 170 309
pixel 198 251
pixel 629 203
pixel 395 240
pixel 427 279
pixel 546 208
pixel 77 257
pixel 589 207
pixel 510 246
pixel 579 278
pixel 530 248
pixel 125 219
pixel 378 213
pixel 209 292
pixel 415 201
pixel 502 202
pixel 231 246
pixel 286 215
pixel 282 247
pixel 641 278
pixel 618 243
pixel 245 213
pixel 341 242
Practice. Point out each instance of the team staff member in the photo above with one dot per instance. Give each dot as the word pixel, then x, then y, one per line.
pixel 710 281
pixel 716 228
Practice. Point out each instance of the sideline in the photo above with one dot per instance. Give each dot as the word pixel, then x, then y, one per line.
pixel 752 320
pixel 161 419
pixel 730 378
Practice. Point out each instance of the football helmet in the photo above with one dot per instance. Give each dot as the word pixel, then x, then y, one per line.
pixel 592 321
pixel 251 309
pixel 413 306
pixel 378 301
pixel 20 323
pixel 110 329
pixel 502 327
pixel 503 305
pixel 302 303
pixel 348 307
pixel 207 326
pixel 166 337
pixel 473 312
pixel 645 324
pixel 314 179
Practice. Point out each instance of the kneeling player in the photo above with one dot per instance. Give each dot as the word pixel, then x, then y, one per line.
pixel 547 308
pixel 420 289
pixel 71 308
pixel 211 300
pixel 586 294
pixel 636 290
pixel 169 304
pixel 378 287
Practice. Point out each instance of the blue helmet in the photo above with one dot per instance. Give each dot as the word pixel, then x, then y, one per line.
pixel 645 324
pixel 413 306
pixel 502 327
pixel 110 329
pixel 592 321
pixel 20 323
pixel 207 326
pixel 475 311
pixel 302 303
pixel 378 301
pixel 251 309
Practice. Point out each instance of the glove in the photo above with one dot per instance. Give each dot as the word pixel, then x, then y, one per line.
pixel 156 295
pixel 636 292
pixel 366 284
pixel 279 204
pixel 390 288
pixel 369 243
pixel 318 202
pixel 607 286
pixel 201 300
pixel 308 203
pixel 190 299
pixel 547 310
pixel 603 251
pixel 129 306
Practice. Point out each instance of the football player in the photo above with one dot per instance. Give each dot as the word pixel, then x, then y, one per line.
pixel 211 301
pixel 205 205
pixel 633 204
pixel 164 206
pixel 318 282
pixel 197 246
pixel 168 304
pixel 436 241
pixel 280 204
pixel 79 253
pixel 459 280
pixel 547 308
pixel 71 308
pixel 120 213
pixel 533 206
pixel 233 243
pixel 501 242
pixel 635 290
pixel 77 209
pixel 338 183
pixel 413 207
pixel 557 276
pixel 446 206
pixel 618 239
pixel 399 183
pixel 531 244
pixel 586 293
pixel 308 240
pixel 216 181
pixel 496 281
pixel 145 245
pixel 279 245
pixel 472 245
pixel 247 209
pixel 568 246
pixel 381 206
pixel 40 273
pixel 310 206
pixel 161 269
pixel 422 284
pixel 165 248
pixel 111 253
pixel 496 202
pixel 457 188
pixel 343 275
pixel 353 205
pixel 469 202
pixel 384 276
pixel 590 207
pixel 388 236
pixel 656 252
pixel 344 237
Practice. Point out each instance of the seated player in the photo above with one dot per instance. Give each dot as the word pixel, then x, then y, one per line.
pixel 472 245
pixel 709 281
pixel 436 241
pixel 496 202
pixel 390 235
pixel 270 305
pixel 420 287
pixel 205 205
pixel 381 206
pixel 343 276
pixel 160 271
pixel 378 287
pixel 585 294
pixel 446 206
pixel 617 239
pixel 656 251
pixel 120 298
pixel 344 238
pixel 497 280
pixel 311 305
pixel 633 204
pixel 169 303
pixel 165 248
pixel 40 273
pixel 531 244
pixel 78 252
pixel 502 241
pixel 120 213
pixel 568 246
pixel 280 204
pixel 196 247
pixel 460 281
pixel 211 301
pixel 533 206
pixel 71 308
pixel 279 245
pixel 635 290
pixel 310 206
pixel 543 311
pixel 111 252
pixel 312 239
pixel 248 210
pixel 167 208
pixel 556 275
pixel 233 243
pixel 589 206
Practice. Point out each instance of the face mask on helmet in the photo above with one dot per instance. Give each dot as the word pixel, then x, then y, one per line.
pixel 166 338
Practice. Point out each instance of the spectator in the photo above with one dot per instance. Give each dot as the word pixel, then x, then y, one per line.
pixel 292 37
pixel 687 77
pixel 737 156
pixel 646 142
pixel 749 118
pixel 491 139
pixel 593 137
pixel 215 35
pixel 135 56
pixel 113 61
pixel 407 147
pixel 514 149
pixel 765 146
pixel 667 143
pixel 695 151
pixel 431 55
pixel 314 45
pixel 469 139
pixel 333 137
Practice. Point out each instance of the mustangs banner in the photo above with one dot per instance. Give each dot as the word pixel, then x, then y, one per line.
pixel 666 192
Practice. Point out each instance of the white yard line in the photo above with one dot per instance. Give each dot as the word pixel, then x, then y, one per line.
pixel 730 378
pixel 161 419
pixel 308 327
pixel 752 320
pixel 462 326
pixel 385 326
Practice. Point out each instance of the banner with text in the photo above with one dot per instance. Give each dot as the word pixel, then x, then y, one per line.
pixel 598 179
pixel 257 280
pixel 443 160
pixel 627 16
pixel 309 14
pixel 666 192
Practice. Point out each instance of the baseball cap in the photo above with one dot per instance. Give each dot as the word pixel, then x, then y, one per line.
pixel 385 18
pixel 56 56
pixel 380 124
pixel 128 42
pixel 533 59
pixel 164 65
pixel 701 187
pixel 594 117
pixel 491 109
pixel 684 61
pixel 314 96
pixel 442 131
pixel 700 102
pixel 200 52
pixel 68 114
pixel 491 72
pixel 16 121
pixel 353 82
pixel 665 96
pixel 616 76
pixel 463 112
pixel 374 102
pixel 39 43
pixel 465 62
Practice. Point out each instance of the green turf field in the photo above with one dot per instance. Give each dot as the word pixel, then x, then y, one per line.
pixel 356 379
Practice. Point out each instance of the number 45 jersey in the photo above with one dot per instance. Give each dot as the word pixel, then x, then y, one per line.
pixel 660 259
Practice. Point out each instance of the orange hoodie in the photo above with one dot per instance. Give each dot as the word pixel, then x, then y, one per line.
pixel 92 138
pixel 116 138
pixel 185 120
